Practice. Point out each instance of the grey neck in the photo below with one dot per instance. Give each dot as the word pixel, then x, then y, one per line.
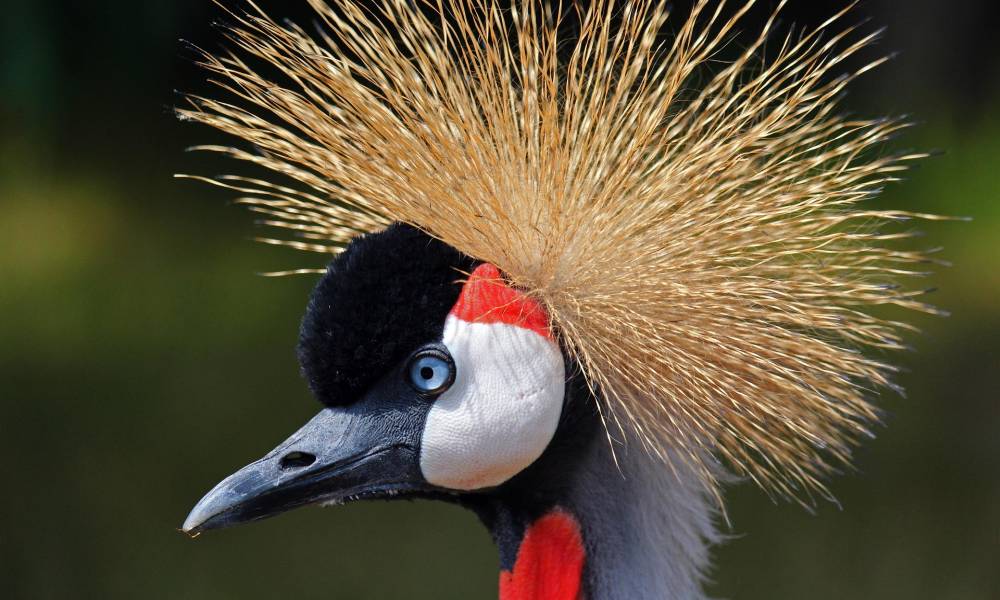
pixel 647 531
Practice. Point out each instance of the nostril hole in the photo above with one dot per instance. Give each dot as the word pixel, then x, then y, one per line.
pixel 297 460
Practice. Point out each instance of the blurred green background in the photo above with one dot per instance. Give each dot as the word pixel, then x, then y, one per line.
pixel 141 359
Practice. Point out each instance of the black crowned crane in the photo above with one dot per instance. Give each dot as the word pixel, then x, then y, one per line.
pixel 572 291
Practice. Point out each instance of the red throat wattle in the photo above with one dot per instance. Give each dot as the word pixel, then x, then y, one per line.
pixel 549 563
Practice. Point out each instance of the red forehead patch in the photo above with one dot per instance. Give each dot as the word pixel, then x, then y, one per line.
pixel 485 298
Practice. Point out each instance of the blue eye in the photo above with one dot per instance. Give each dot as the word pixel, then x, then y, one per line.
pixel 431 371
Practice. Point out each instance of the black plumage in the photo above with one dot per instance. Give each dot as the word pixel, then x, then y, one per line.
pixel 386 294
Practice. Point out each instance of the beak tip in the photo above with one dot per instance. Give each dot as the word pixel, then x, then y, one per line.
pixel 191 532
pixel 191 526
pixel 202 512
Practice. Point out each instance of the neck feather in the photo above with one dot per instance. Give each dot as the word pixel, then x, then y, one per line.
pixel 645 533
pixel 648 530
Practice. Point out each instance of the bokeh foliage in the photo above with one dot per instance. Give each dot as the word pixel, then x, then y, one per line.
pixel 141 359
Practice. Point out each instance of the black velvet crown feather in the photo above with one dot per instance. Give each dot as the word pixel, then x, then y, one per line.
pixel 385 295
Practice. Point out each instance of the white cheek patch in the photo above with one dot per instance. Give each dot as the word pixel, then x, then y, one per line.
pixel 501 412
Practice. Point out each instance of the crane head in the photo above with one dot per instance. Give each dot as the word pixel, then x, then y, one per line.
pixel 438 379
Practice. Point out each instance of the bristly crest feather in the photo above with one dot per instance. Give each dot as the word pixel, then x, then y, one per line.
pixel 705 252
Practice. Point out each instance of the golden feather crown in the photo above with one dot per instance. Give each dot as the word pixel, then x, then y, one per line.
pixel 703 245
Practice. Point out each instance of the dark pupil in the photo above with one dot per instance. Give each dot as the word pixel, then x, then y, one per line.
pixel 426 372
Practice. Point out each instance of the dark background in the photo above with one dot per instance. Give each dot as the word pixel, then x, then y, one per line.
pixel 141 359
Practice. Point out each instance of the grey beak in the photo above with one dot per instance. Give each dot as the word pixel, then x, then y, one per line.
pixel 341 454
